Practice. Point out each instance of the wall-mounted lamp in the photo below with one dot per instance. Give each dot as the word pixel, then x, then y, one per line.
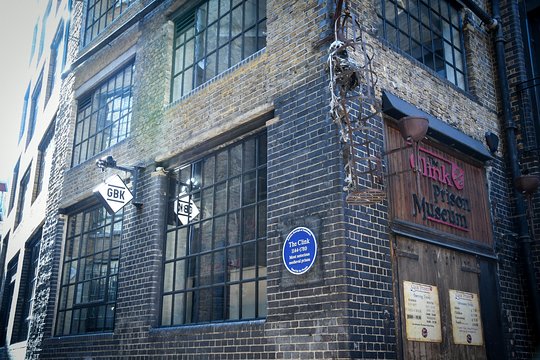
pixel 492 142
pixel 527 185
pixel 413 128
pixel 110 162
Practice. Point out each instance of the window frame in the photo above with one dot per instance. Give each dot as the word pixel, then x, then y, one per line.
pixel 24 186
pixel 189 27
pixel 447 12
pixel 89 25
pixel 35 108
pixel 229 249
pixel 45 152
pixel 89 109
pixel 78 232
pixel 27 288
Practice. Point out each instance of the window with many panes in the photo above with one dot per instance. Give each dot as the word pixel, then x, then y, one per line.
pixel 89 272
pixel 34 110
pixel 215 262
pixel 104 116
pixel 28 288
pixel 100 14
pixel 45 155
pixel 213 37
pixel 7 298
pixel 428 30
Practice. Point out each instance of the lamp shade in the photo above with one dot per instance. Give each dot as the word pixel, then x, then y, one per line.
pixel 413 127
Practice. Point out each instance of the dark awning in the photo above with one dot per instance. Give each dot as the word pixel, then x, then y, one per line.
pixel 438 130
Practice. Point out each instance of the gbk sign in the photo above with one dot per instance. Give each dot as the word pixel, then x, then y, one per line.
pixel 113 194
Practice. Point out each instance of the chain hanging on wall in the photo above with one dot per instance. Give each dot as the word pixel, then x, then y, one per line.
pixel 352 89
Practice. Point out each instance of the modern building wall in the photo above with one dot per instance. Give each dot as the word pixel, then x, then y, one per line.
pixel 27 198
pixel 351 303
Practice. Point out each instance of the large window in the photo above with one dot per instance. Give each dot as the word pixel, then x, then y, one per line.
pixel 428 30
pixel 90 270
pixel 7 298
pixel 28 288
pixel 215 262
pixel 99 15
pixel 212 38
pixel 104 116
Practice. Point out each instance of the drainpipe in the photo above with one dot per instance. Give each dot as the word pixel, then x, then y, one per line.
pixel 522 226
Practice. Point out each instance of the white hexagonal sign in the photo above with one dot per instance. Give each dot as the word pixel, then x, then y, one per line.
pixel 185 208
pixel 113 194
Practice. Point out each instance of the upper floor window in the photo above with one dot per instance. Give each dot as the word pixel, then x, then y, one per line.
pixel 90 271
pixel 214 37
pixel 104 116
pixel 23 189
pixel 44 28
pixel 14 180
pixel 34 110
pixel 55 60
pixel 215 262
pixel 45 156
pixel 100 13
pixel 428 30
pixel 24 112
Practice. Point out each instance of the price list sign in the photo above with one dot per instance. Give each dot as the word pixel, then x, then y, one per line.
pixel 422 313
pixel 466 321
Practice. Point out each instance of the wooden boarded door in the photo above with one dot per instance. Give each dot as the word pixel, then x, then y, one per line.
pixel 439 275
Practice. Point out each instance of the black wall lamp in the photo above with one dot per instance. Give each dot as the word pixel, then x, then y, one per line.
pixel 109 162
pixel 492 142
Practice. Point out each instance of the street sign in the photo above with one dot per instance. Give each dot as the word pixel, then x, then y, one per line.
pixel 185 208
pixel 299 250
pixel 113 194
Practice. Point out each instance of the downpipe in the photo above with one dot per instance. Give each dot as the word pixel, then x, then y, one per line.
pixel 509 127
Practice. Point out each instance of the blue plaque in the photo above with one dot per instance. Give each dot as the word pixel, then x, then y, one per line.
pixel 299 250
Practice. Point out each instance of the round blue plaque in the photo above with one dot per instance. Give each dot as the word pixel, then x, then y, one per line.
pixel 299 250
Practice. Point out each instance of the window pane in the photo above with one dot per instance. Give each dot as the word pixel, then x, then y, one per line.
pixel 435 35
pixel 219 257
pixel 90 272
pixel 224 36
pixel 110 118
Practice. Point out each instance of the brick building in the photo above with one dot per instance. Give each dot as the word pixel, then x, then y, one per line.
pixel 25 203
pixel 282 207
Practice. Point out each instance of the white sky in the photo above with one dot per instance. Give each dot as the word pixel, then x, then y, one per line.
pixel 16 28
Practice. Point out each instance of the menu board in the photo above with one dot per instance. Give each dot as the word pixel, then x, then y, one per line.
pixel 466 321
pixel 422 313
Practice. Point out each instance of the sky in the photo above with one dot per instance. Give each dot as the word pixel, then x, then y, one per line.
pixel 16 28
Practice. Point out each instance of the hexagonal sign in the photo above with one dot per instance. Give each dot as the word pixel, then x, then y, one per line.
pixel 185 208
pixel 113 194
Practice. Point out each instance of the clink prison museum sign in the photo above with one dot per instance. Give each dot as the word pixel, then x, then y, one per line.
pixel 446 193
pixel 447 207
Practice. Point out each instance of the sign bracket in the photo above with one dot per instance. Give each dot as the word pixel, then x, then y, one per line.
pixel 109 162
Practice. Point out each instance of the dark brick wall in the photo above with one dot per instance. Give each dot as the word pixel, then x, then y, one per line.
pixel 343 307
